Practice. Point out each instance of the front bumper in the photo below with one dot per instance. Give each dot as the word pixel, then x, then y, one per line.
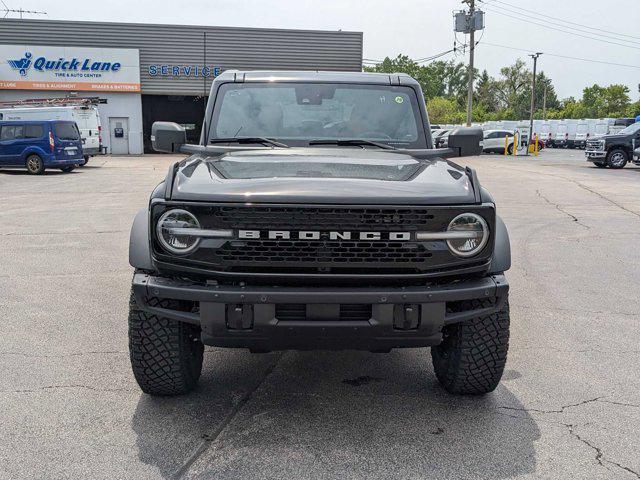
pixel 595 155
pixel 246 317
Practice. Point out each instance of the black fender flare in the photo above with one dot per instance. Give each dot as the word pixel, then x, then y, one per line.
pixel 501 260
pixel 139 250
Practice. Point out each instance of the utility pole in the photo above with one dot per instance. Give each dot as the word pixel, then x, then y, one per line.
pixel 544 103
pixel 472 48
pixel 533 94
pixel 469 22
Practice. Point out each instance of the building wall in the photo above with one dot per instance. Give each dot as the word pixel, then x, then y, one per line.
pixel 179 45
pixel 126 105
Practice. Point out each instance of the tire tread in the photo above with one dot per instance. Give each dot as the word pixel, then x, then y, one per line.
pixel 473 354
pixel 166 355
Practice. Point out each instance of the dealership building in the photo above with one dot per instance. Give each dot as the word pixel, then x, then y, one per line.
pixel 141 73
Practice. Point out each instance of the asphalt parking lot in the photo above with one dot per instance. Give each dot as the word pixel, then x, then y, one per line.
pixel 568 405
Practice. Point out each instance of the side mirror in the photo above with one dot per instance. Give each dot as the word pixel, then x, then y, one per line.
pixel 465 141
pixel 167 137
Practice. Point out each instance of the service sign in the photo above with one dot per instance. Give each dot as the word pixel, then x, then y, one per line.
pixel 34 67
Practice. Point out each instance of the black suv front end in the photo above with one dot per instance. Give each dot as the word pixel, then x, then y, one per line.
pixel 315 213
pixel 331 277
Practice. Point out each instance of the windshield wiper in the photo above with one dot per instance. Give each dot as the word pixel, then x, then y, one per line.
pixel 243 140
pixel 351 142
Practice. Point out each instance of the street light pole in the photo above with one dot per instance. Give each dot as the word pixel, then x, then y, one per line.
pixel 533 94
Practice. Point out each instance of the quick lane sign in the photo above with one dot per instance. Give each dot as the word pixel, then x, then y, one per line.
pixel 33 67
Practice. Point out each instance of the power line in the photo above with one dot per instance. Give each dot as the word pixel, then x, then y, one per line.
pixel 433 57
pixel 561 24
pixel 560 30
pixel 562 56
pixel 417 60
pixel 546 18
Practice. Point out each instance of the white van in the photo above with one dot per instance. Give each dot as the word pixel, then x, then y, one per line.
pixel 561 135
pixel 86 117
pixel 572 128
pixel 586 129
pixel 603 126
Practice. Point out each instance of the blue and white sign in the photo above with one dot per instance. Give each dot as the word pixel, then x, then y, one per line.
pixel 38 67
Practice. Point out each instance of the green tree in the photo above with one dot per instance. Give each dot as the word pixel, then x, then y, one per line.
pixel 611 101
pixel 486 93
pixel 444 110
pixel 514 88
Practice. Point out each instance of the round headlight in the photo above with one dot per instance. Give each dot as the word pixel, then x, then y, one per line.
pixel 171 230
pixel 473 234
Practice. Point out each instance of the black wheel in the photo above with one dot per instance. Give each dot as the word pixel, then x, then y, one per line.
pixel 166 355
pixel 471 358
pixel 35 165
pixel 68 169
pixel 86 160
pixel 510 149
pixel 600 164
pixel 617 158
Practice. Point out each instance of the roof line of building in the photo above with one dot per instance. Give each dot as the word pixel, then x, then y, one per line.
pixel 172 25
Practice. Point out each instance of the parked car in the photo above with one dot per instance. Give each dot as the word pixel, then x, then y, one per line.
pixel 494 141
pixel 437 135
pixel 39 145
pixel 86 117
pixel 614 151
pixel 443 140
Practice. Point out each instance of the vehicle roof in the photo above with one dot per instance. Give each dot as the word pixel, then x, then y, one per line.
pixel 29 122
pixel 316 76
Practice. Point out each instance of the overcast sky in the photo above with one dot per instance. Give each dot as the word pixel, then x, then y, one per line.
pixel 418 28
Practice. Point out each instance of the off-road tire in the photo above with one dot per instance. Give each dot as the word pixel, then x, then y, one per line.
pixel 35 165
pixel 617 158
pixel 600 164
pixel 166 355
pixel 471 358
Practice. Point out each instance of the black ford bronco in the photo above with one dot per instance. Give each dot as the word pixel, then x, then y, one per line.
pixel 315 213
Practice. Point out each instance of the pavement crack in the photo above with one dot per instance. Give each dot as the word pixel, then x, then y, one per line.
pixel 621 404
pixel 604 197
pixel 560 209
pixel 209 438
pixel 560 410
pixel 599 457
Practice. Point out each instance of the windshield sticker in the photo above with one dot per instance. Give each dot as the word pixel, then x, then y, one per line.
pixel 399 99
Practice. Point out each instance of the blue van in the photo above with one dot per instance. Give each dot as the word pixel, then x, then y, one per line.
pixel 37 145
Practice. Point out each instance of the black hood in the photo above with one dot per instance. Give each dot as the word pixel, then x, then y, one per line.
pixel 614 137
pixel 321 176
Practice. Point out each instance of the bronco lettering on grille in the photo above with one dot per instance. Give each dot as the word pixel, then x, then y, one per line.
pixel 317 235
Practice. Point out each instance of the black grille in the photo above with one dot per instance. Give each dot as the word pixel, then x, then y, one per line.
pixel 323 255
pixel 321 252
pixel 298 312
pixel 320 218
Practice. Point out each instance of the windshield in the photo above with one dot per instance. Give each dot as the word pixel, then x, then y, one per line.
pixel 296 113
pixel 631 129
pixel 602 128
